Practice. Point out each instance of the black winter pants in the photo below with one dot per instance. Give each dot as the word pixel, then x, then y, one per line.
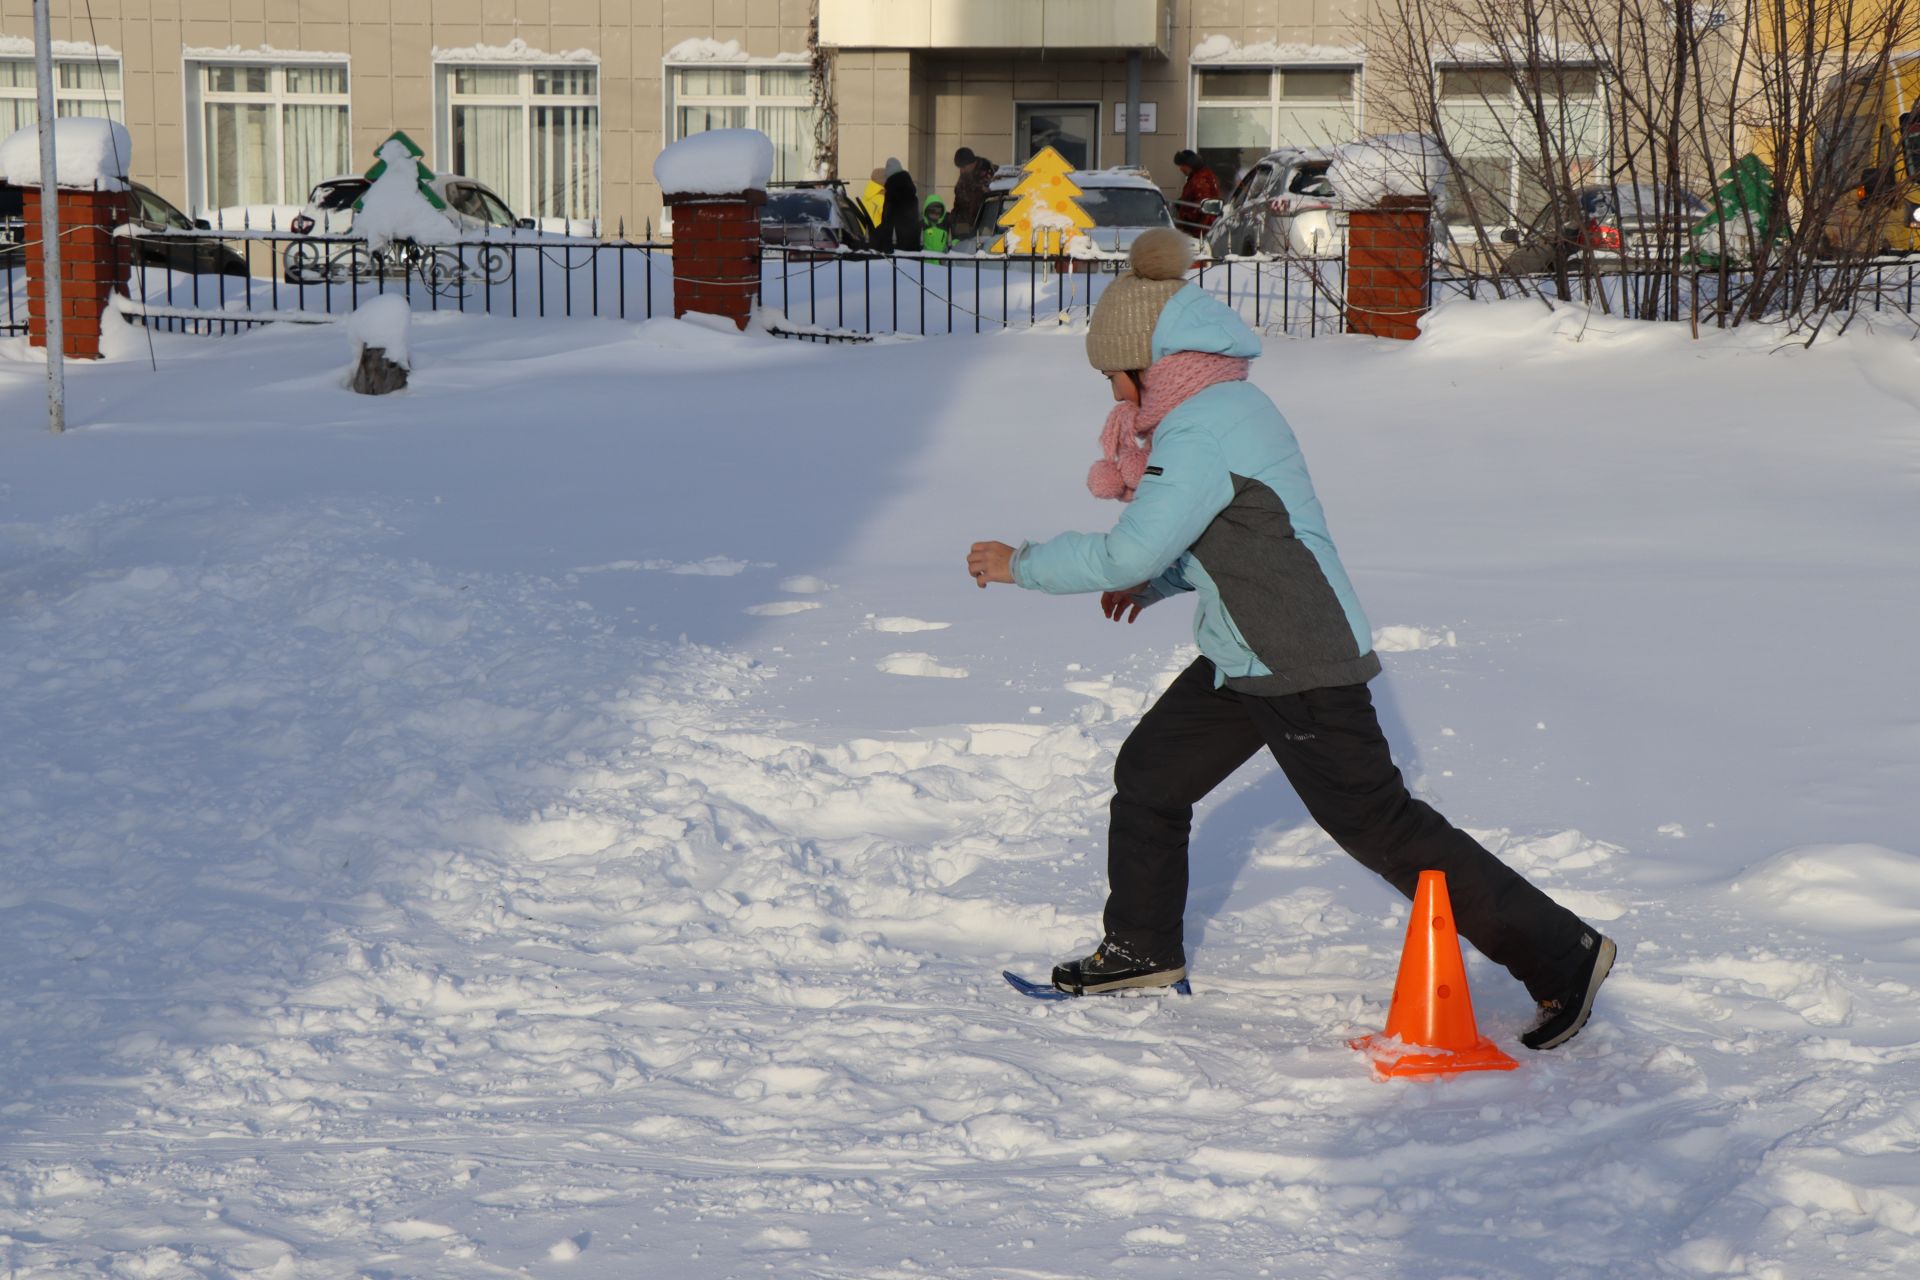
pixel 1329 744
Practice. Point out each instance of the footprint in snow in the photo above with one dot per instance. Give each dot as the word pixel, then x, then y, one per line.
pixel 899 626
pixel 919 664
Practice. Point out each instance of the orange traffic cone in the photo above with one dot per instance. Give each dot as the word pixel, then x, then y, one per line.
pixel 1430 1028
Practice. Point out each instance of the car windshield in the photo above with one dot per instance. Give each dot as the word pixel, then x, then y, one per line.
pixel 1125 207
pixel 154 209
pixel 791 208
pixel 494 209
pixel 478 203
pixel 1311 180
pixel 331 197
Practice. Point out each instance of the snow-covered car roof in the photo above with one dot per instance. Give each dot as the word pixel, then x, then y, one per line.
pixel 1084 178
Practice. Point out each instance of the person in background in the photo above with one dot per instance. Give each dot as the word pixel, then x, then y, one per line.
pixel 936 236
pixel 969 190
pixel 874 198
pixel 1201 185
pixel 900 214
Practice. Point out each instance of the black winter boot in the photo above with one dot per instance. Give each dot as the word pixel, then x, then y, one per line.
pixel 1562 1017
pixel 1116 967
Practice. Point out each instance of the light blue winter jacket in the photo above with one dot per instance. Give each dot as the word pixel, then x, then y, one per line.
pixel 1227 511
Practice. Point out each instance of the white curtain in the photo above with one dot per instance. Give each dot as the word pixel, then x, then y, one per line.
pixel 791 129
pixel 487 145
pixel 314 147
pixel 240 154
pixel 566 163
pixel 16 112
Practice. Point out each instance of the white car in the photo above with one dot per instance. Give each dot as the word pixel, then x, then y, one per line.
pixel 1284 205
pixel 472 206
pixel 1122 203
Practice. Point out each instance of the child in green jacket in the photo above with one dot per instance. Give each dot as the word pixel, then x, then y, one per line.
pixel 936 236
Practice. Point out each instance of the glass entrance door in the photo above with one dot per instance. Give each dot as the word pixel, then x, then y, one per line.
pixel 1072 129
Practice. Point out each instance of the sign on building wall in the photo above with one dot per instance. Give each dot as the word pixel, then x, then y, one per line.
pixel 1149 117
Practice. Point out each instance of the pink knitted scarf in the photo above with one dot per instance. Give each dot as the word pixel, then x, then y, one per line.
pixel 1127 439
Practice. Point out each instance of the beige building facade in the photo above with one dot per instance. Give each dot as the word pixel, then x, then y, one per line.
pixel 562 105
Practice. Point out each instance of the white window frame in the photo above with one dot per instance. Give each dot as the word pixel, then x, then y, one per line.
pixel 116 98
pixel 1464 233
pixel 752 100
pixel 1357 68
pixel 276 95
pixel 523 97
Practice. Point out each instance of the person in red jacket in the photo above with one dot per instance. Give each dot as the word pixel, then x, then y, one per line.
pixel 1200 186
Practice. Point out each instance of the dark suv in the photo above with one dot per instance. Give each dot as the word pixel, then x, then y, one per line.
pixel 197 256
pixel 12 224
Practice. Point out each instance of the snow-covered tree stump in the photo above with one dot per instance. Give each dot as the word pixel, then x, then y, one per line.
pixel 91 199
pixel 381 334
pixel 715 183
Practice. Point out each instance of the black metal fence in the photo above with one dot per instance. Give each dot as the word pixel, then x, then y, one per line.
pixel 232 280
pixel 229 280
pixel 1884 286
pixel 930 294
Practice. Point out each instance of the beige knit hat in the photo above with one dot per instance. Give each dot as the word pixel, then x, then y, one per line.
pixel 1120 335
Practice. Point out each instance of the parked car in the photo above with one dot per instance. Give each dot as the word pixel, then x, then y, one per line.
pixel 1283 205
pixel 151 213
pixel 12 224
pixel 471 206
pixel 1608 224
pixel 814 215
pixel 1122 203
pixel 198 256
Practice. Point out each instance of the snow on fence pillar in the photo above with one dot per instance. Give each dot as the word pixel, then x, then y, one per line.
pixel 1387 185
pixel 715 183
pixel 91 199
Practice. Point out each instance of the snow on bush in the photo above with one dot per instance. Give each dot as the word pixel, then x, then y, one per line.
pixel 1396 164
pixel 715 163
pixel 393 208
pixel 87 153
pixel 383 322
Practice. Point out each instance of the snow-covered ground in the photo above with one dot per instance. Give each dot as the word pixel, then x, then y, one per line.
pixel 569 817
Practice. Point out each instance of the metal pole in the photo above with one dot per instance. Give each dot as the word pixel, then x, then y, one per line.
pixel 50 220
pixel 1133 107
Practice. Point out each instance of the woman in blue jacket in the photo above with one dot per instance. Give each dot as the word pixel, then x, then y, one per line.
pixel 1219 503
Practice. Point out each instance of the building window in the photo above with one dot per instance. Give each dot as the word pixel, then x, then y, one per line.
pixel 1241 113
pixel 531 133
pixel 1071 129
pixel 265 133
pixel 81 87
pixel 1498 176
pixel 776 100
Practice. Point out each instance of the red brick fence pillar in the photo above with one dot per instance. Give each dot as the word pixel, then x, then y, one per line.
pixel 93 264
pixel 716 254
pixel 1388 259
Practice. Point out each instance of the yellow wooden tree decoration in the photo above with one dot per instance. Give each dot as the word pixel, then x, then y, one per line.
pixel 1045 217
